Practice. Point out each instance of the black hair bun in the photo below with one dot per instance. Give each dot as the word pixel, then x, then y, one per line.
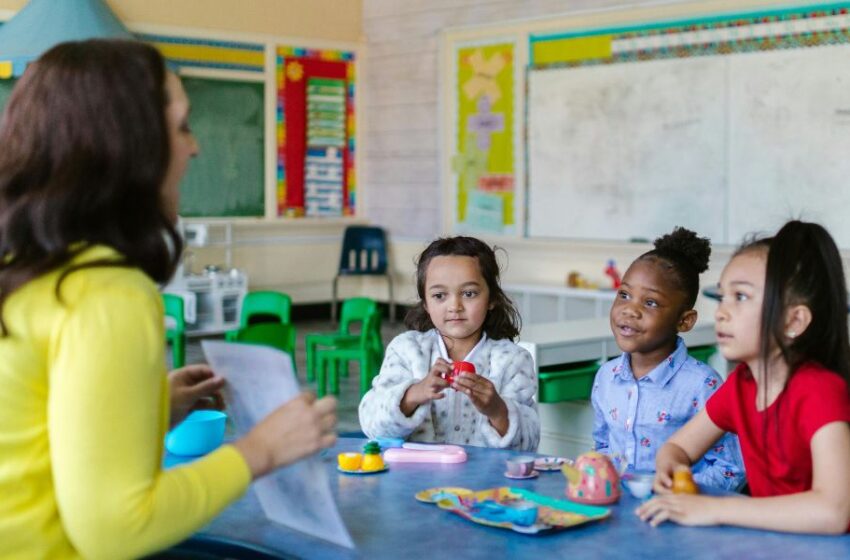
pixel 686 245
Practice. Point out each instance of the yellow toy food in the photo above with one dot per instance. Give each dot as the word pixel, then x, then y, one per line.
pixel 349 461
pixel 372 460
pixel 683 482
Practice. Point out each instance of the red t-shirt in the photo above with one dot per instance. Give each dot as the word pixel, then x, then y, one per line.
pixel 775 442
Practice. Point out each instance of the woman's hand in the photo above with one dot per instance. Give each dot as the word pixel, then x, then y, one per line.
pixel 429 389
pixel 485 399
pixel 194 387
pixel 293 431
pixel 684 509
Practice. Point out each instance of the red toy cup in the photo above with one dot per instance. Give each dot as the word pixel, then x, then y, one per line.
pixel 457 369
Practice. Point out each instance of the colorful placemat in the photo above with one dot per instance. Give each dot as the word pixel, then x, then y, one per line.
pixel 553 514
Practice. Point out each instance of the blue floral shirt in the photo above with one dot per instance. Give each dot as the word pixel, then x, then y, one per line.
pixel 634 417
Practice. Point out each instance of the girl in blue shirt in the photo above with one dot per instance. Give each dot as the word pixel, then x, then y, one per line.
pixel 642 397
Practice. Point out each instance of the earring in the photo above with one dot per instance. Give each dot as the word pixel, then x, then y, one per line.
pixel 790 334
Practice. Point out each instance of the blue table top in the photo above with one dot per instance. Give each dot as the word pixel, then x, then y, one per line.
pixel 387 522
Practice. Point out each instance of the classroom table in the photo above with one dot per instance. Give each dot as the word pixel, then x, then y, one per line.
pixel 386 521
pixel 566 342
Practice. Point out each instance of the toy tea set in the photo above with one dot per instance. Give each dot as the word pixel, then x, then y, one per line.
pixel 592 481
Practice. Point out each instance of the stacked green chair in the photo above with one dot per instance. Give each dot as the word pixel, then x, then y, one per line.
pixel 274 335
pixel 271 308
pixel 176 334
pixel 368 349
pixel 354 310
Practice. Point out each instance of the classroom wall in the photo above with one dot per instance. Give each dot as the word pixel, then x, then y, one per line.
pixel 400 163
pixel 402 135
pixel 338 20
pixel 299 257
pixel 399 123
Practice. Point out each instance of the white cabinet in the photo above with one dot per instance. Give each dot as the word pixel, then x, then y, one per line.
pixel 213 298
pixel 542 303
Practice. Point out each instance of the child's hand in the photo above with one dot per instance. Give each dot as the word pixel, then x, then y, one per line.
pixel 684 509
pixel 194 387
pixel 485 398
pixel 429 389
pixel 665 466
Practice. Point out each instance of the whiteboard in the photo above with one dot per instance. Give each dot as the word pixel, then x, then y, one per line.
pixel 790 153
pixel 724 145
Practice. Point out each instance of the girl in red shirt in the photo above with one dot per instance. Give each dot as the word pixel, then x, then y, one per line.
pixel 783 317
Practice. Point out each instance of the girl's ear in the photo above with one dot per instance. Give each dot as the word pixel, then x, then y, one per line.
pixel 687 320
pixel 797 320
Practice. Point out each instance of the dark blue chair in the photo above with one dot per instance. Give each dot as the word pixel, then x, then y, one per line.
pixel 364 253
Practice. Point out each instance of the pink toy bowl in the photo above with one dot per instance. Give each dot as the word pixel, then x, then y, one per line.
pixel 592 480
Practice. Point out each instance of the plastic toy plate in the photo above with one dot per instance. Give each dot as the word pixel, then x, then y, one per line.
pixel 553 514
pixel 359 471
pixel 534 474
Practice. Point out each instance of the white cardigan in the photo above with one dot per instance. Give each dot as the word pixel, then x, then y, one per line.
pixel 452 419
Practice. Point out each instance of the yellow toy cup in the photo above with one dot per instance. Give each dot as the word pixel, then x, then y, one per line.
pixel 349 461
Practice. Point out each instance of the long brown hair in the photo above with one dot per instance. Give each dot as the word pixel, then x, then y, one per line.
pixel 85 149
pixel 502 321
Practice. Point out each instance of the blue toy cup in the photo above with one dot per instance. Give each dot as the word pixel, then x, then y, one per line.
pixel 201 432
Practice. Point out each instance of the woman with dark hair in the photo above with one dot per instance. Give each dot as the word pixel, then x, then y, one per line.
pixel 95 140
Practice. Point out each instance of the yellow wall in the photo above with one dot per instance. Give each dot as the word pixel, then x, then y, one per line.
pixel 337 20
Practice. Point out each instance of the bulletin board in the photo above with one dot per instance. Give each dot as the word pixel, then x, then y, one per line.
pixel 727 125
pixel 484 159
pixel 315 133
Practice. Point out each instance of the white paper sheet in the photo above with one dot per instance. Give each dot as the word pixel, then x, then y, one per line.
pixel 259 379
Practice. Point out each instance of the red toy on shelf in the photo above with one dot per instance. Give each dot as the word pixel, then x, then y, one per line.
pixel 614 274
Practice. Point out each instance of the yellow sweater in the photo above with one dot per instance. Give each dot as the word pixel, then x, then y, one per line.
pixel 83 411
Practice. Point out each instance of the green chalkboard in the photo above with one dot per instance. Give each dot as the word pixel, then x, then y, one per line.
pixel 227 177
pixel 5 91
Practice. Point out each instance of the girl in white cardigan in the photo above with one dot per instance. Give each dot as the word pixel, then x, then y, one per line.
pixel 463 315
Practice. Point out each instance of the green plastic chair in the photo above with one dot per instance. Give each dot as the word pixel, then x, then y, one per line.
pixel 175 335
pixel 354 310
pixel 368 350
pixel 263 305
pixel 274 335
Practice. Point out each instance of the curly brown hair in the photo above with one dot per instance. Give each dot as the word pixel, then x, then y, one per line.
pixel 503 319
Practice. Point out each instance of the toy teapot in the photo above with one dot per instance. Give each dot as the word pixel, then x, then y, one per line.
pixel 592 479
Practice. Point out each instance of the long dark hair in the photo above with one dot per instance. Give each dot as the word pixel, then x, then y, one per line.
pixel 684 256
pixel 85 149
pixel 804 267
pixel 502 321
